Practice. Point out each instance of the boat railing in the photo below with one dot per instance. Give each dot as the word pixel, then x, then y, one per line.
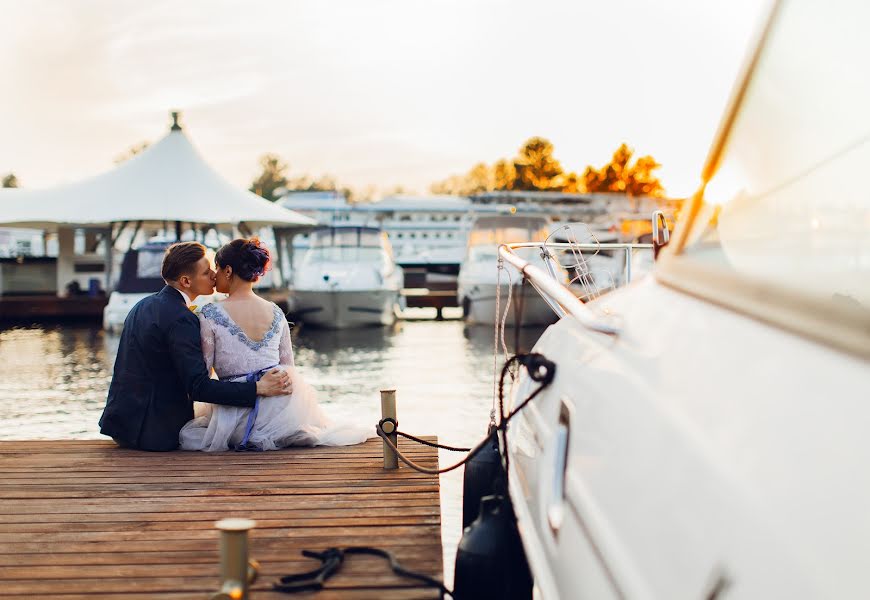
pixel 560 298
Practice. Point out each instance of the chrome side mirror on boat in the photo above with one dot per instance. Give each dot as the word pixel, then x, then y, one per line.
pixel 660 234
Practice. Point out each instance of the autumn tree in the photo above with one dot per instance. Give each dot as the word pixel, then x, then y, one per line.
pixel 620 176
pixel 536 167
pixel 9 181
pixel 503 175
pixel 478 179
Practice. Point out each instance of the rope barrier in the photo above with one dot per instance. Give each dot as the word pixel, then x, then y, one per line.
pixel 540 369
pixel 431 444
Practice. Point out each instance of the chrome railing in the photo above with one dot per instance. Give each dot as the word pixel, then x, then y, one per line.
pixel 560 298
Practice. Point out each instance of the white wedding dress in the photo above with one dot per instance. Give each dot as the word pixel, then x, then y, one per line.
pixel 281 421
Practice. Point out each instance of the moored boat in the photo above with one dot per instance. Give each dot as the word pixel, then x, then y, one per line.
pixel 347 278
pixel 704 435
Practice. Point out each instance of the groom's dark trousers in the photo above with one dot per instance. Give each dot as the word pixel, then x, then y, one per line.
pixel 159 372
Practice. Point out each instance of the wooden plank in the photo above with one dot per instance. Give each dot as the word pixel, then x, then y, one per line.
pixel 87 519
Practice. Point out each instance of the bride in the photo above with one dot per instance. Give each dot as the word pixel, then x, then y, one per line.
pixel 244 337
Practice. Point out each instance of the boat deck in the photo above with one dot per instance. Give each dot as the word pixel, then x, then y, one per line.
pixel 85 519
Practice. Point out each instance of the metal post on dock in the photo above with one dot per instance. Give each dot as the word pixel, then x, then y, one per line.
pixel 388 411
pixel 237 572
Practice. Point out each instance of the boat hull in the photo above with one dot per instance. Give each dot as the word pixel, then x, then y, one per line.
pixel 691 465
pixel 344 309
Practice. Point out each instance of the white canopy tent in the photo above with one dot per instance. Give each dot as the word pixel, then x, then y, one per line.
pixel 167 183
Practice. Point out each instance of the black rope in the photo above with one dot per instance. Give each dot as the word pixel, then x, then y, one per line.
pixel 431 444
pixel 540 369
pixel 331 561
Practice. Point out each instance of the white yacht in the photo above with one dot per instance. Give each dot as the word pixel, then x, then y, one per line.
pixel 428 232
pixel 347 278
pixel 705 435
pixel 478 278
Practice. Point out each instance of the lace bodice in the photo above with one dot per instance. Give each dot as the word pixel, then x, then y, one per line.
pixel 226 347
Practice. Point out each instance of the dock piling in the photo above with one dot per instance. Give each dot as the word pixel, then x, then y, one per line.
pixel 388 411
pixel 237 572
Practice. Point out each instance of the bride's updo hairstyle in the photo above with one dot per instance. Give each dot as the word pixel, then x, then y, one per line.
pixel 249 258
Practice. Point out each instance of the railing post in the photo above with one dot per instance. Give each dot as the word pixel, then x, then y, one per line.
pixel 237 572
pixel 388 411
pixel 627 265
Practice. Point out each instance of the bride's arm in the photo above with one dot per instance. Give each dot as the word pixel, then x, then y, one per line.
pixel 208 344
pixel 285 348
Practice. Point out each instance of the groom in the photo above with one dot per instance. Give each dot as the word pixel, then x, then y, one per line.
pixel 160 370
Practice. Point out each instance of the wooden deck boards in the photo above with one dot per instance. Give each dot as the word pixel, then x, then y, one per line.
pixel 85 519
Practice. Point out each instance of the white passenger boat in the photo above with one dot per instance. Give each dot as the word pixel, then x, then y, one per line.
pixel 478 279
pixel 705 435
pixel 347 278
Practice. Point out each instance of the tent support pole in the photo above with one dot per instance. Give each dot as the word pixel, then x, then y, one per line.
pixel 135 233
pixel 110 245
pixel 114 238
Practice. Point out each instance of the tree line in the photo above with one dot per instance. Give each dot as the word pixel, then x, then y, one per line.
pixel 535 168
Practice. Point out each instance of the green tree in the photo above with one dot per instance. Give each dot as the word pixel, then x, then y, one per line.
pixel 9 181
pixel 620 176
pixel 271 178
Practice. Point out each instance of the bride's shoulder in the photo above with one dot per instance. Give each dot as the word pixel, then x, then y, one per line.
pixel 211 311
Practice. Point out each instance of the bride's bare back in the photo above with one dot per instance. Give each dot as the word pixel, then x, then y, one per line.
pixel 253 314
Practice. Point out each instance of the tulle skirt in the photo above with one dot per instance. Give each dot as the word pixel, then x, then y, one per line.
pixel 282 421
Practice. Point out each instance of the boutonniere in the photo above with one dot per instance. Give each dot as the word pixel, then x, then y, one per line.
pixel 193 308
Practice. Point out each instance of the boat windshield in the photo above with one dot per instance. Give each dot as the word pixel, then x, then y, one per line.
pixel 506 235
pixel 149 264
pixel 787 202
pixel 347 237
pixel 348 254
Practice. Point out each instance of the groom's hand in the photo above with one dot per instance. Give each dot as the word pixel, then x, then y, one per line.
pixel 275 383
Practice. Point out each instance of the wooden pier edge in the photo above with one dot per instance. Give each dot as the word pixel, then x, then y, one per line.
pixel 85 519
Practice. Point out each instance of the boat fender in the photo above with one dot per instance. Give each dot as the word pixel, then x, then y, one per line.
pixel 484 476
pixel 490 561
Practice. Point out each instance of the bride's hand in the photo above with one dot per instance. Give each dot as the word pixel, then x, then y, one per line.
pixel 276 382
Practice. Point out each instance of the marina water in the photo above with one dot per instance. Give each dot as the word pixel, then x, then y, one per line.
pixel 54 378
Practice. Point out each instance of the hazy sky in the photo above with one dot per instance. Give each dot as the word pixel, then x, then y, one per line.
pixel 372 92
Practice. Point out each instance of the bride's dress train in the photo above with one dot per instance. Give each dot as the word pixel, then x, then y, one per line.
pixel 281 421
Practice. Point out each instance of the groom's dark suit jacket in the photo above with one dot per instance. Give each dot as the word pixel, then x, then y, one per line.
pixel 159 372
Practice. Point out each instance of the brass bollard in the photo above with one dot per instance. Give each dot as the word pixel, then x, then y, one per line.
pixel 237 572
pixel 388 411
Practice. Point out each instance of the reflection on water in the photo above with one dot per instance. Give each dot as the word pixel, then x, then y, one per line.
pixel 53 383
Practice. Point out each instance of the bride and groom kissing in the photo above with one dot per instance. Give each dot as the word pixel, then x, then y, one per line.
pixel 162 396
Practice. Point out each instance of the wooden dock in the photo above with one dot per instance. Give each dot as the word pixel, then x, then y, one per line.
pixel 85 519
pixel 49 307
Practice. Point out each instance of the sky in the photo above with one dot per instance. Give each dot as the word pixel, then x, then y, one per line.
pixel 375 93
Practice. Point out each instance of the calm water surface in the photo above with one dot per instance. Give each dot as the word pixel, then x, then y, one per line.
pixel 53 382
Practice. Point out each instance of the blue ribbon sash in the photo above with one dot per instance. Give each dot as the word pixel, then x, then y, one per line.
pixel 252 416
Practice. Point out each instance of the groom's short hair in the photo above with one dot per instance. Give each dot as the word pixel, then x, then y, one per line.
pixel 180 259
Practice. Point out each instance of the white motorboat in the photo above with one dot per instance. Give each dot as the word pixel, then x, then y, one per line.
pixel 705 435
pixel 347 278
pixel 478 279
